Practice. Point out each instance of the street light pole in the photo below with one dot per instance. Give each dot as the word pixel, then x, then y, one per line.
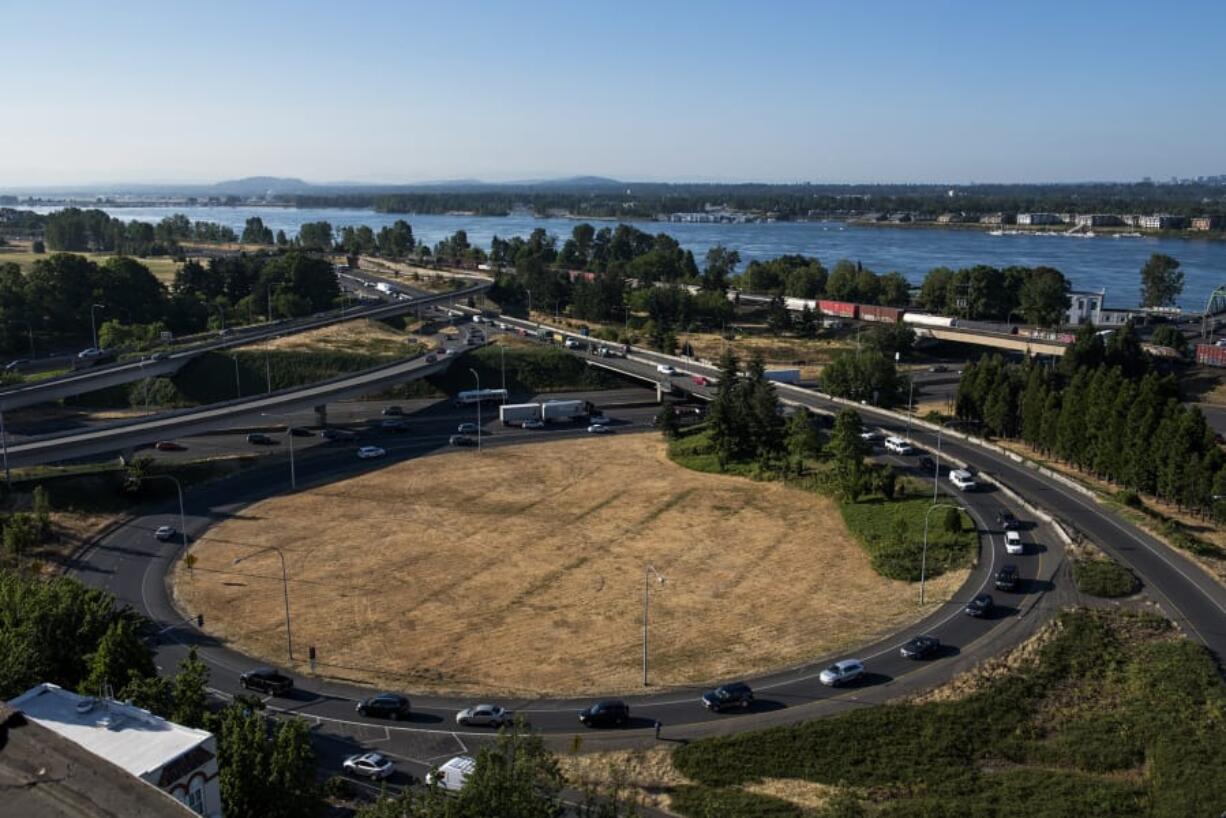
pixel 289 432
pixel 478 377
pixel 502 349
pixel 648 570
pixel 289 640
pixel 4 444
pixel 924 558
pixel 238 385
pixel 93 320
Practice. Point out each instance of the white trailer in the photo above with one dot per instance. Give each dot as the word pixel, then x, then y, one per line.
pixel 513 414
pixel 562 410
pixel 480 396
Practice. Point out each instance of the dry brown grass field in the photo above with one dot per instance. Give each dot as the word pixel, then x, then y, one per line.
pixel 519 571
pixel 363 336
pixel 163 267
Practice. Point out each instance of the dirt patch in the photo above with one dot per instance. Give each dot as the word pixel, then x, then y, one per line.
pixel 507 572
pixel 648 773
pixel 810 356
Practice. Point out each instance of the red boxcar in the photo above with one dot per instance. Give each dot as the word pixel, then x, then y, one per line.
pixel 1210 355
pixel 886 315
pixel 842 309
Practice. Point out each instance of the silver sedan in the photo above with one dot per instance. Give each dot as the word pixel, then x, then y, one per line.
pixel 487 715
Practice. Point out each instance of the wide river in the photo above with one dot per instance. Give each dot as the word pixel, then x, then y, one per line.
pixel 1101 262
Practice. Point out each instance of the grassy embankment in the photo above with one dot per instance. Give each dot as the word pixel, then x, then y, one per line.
pixel 891 531
pixel 1107 714
pixel 163 267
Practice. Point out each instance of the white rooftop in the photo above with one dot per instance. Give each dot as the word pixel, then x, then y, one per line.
pixel 123 734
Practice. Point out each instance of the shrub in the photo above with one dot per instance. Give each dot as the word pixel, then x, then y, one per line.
pixel 1104 577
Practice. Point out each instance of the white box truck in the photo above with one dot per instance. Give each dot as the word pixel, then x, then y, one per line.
pixel 453 775
pixel 562 410
pixel 513 414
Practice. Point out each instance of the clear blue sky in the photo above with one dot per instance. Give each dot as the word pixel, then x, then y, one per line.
pixel 817 91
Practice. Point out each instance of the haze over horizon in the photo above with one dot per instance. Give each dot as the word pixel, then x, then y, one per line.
pixel 381 93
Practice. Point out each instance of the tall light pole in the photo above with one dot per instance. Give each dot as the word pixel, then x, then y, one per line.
pixel 289 432
pixel 478 377
pixel 924 558
pixel 93 320
pixel 4 445
pixel 179 489
pixel 289 639
pixel 936 473
pixel 238 384
pixel 502 349
pixel 648 570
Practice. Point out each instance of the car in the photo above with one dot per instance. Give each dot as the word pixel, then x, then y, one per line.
pixel 1006 578
pixel 599 429
pixel 260 439
pixel 938 368
pixel 927 463
pixel 483 715
pixel 392 411
pixel 450 351
pixel 222 333
pixel 165 532
pixel 665 369
pixel 334 435
pixel 431 358
pixel 609 713
pixel 602 420
pixel 368 452
pixel 453 775
pixel 169 446
pixel 461 440
pixel 91 352
pixel 395 425
pixel 980 606
pixel 157 356
pixel 700 380
pixel 962 479
pixel 300 431
pixel 1013 543
pixel 921 647
pixel 735 694
pixel 385 705
pixel 467 428
pixel 532 424
pixel 870 435
pixel 1007 521
pixel 369 765
pixel 266 680
pixel 842 672
pixel 898 446
pixel 571 343
pixel 15 366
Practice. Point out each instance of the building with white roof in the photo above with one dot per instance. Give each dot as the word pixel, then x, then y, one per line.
pixel 179 760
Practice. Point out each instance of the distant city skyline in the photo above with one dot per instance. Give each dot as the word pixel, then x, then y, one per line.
pixel 948 93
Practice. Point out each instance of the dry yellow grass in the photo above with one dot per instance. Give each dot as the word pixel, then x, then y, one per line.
pixel 351 336
pixel 520 571
pixel 808 355
pixel 163 267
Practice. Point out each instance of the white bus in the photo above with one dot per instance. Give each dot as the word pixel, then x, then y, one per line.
pixel 480 396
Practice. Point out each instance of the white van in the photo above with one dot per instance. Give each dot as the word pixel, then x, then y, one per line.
pixel 898 446
pixel 453 775
pixel 665 369
pixel 1013 543
pixel 964 480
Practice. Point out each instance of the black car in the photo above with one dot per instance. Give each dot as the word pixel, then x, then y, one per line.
pixel 266 680
pixel 392 411
pixel 338 435
pixel 1007 521
pixel 927 463
pixel 1007 578
pixel 260 439
pixel 921 647
pixel 395 425
pixel 462 440
pixel 385 705
pixel 299 431
pixel 605 714
pixel 736 694
pixel 980 606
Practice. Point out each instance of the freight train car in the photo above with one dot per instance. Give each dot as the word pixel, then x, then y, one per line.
pixel 842 309
pixel 884 315
pixel 925 320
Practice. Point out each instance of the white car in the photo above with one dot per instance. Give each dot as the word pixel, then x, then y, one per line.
pixel 964 480
pixel 367 452
pixel 369 765
pixel 1013 543
pixel 165 532
pixel 841 673
pixel 533 424
pixel 871 435
pixel 490 715
pixel 599 429
pixel 898 446
pixel 92 352
pixel 665 369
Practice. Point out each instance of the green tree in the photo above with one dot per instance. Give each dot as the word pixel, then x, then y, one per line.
pixel 153 693
pixel 120 654
pixel 778 321
pixel 20 535
pixel 244 762
pixel 1161 281
pixel 517 777
pixel 953 521
pixel 41 505
pixel 254 232
pixel 667 421
pixel 1045 297
pixel 803 440
pixel 806 323
pixel 727 415
pixel 849 450
pixel 292 771
pixel 190 692
pixel 1165 335
pixel 721 266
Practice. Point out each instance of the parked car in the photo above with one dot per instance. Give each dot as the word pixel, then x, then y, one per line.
pixel 735 694
pixel 300 431
pixel 260 439
pixel 368 452
pixel 483 715
pixel 921 647
pixel 599 429
pixel 842 672
pixel 605 714
pixel 467 428
pixel 369 765
pixel 1013 543
pixel 266 680
pixel 533 424
pixel 980 606
pixel 169 446
pixel 453 775
pixel 462 440
pixel 165 532
pixel 335 435
pixel 1006 578
pixel 1007 521
pixel 385 705
pixel 392 411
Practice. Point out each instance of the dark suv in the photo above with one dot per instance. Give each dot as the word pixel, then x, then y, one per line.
pixel 1006 578
pixel 736 694
pixel 260 439
pixel 266 680
pixel 980 606
pixel 605 714
pixel 385 705
pixel 1007 521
